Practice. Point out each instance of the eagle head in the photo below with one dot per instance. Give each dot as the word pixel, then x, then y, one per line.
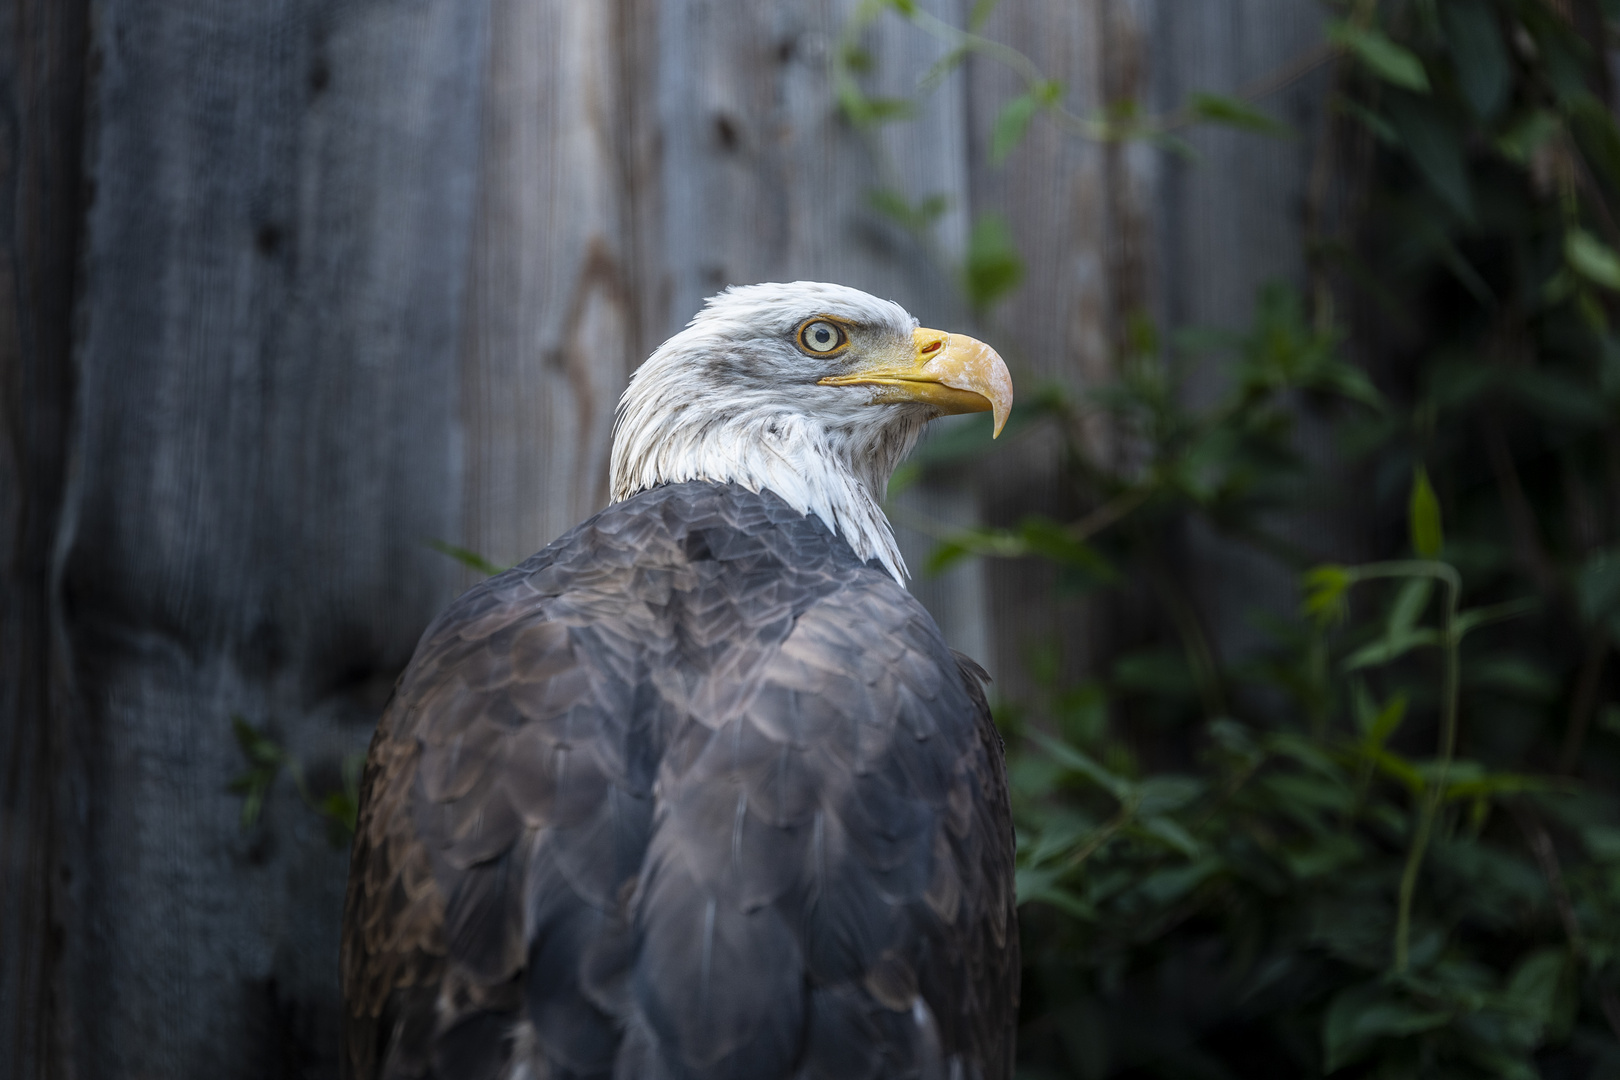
pixel 813 391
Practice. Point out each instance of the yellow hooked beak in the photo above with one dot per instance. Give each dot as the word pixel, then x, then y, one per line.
pixel 952 372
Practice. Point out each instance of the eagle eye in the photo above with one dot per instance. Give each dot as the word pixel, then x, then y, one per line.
pixel 821 336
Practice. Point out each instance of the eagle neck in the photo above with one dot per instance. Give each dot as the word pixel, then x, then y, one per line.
pixel 809 468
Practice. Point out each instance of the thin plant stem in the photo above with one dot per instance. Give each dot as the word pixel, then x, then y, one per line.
pixel 1097 839
pixel 1434 793
pixel 1108 129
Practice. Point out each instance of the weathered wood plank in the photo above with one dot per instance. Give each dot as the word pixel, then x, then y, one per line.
pixel 268 384
pixel 553 327
pixel 1227 223
pixel 42 54
pixel 1055 192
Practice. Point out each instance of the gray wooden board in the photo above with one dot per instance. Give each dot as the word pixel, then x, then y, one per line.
pixel 268 374
pixel 1228 223
pixel 42 62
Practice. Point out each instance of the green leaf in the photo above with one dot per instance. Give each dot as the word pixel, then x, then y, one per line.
pixel 1435 145
pixel 1592 258
pixel 939 69
pixel 993 267
pixel 1409 604
pixel 255 744
pixel 1304 796
pixel 1603 842
pixel 1011 124
pixel 1381 128
pixel 1532 989
pixel 1044 537
pixel 1164 887
pixel 1484 70
pixel 1326 855
pixel 1381 725
pixel 1391 62
pixel 907 8
pixel 470 559
pixel 1512 672
pixel 1348 381
pixel 341 808
pixel 1423 516
pixel 1325 588
pixel 1526 135
pixel 1360 1015
pixel 265 760
pixel 1234 112
pixel 1156 672
pixel 982 10
pixel 1084 765
pixel 1474 618
pixel 1562 399
pixel 1496 784
pixel 1593 127
pixel 1082 714
pixel 1398 769
pixel 913 217
pixel 1597 584
pixel 864 111
pixel 1172 833
pixel 1039 886
pixel 1389 648
pixel 1166 793
pixel 999 543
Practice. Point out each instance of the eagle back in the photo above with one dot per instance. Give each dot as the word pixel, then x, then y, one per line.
pixel 691 793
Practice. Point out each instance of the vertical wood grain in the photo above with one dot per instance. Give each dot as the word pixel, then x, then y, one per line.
pixel 1054 192
pixel 272 306
pixel 42 71
pixel 552 329
pixel 1228 222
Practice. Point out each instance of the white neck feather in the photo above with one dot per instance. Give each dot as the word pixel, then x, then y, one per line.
pixel 837 474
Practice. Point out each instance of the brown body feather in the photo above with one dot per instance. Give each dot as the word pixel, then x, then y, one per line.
pixel 692 793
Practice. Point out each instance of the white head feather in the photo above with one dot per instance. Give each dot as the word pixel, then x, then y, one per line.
pixel 732 398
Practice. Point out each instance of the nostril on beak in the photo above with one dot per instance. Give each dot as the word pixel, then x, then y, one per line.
pixel 932 347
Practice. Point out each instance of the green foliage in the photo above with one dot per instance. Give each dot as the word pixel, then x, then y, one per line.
pixel 1423 516
pixel 1015 116
pixel 264 761
pixel 1222 109
pixel 1386 840
pixel 1393 63
pixel 1592 259
pixel 993 266
pixel 470 559
pixel 338 807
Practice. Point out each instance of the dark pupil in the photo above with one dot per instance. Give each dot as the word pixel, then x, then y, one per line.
pixel 823 336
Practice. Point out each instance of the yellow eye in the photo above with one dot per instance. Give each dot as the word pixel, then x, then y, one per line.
pixel 821 336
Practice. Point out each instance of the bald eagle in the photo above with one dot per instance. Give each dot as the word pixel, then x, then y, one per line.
pixel 699 791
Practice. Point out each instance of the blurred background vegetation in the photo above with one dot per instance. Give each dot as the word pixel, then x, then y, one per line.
pixel 1387 841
